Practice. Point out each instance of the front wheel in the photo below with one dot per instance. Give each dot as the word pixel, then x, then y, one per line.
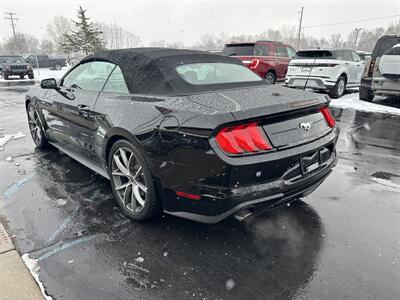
pixel 5 76
pixel 35 127
pixel 22 76
pixel 270 77
pixel 131 182
pixel 31 76
pixel 340 87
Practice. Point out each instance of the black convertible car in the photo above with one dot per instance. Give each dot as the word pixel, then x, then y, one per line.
pixel 190 133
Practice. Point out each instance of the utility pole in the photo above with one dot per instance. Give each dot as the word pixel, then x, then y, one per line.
pixel 356 38
pixel 12 19
pixel 299 32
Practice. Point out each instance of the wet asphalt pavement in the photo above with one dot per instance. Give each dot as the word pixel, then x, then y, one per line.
pixel 340 242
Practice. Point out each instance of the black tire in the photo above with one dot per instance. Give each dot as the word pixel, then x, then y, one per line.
pixel 270 77
pixel 35 127
pixel 31 76
pixel 152 205
pixel 5 76
pixel 57 67
pixel 339 89
pixel 366 94
pixel 22 76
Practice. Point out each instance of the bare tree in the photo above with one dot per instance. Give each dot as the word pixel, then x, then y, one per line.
pixel 393 28
pixel 335 40
pixel 157 43
pixel 368 38
pixel 47 47
pixel 114 36
pixel 22 43
pixel 56 31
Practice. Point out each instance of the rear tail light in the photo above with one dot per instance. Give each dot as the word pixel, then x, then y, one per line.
pixel 328 65
pixel 239 139
pixel 328 116
pixel 371 67
pixel 254 64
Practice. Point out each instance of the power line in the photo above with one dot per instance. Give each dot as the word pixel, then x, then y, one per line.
pixel 351 22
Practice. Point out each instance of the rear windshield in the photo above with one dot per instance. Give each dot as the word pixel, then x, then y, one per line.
pixel 384 44
pixel 239 50
pixel 393 51
pixel 215 73
pixel 314 54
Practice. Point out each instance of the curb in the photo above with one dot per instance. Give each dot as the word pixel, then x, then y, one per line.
pixel 18 83
pixel 16 281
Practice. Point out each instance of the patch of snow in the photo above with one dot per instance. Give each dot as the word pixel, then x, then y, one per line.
pixel 351 101
pixel 33 267
pixel 230 284
pixel 386 182
pixel 6 138
pixel 139 259
pixel 39 74
pixel 9 159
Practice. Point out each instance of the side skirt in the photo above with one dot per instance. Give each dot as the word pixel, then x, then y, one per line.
pixel 87 163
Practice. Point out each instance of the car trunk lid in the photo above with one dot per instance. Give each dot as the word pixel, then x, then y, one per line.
pixel 289 117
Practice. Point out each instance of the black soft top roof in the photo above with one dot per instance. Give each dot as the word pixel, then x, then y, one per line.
pixel 152 70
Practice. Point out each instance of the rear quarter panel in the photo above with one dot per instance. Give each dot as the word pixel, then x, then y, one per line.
pixel 156 123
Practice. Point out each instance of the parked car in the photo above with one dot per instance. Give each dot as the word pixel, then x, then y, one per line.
pixel 15 65
pixel 330 70
pixel 382 71
pixel 44 61
pixel 191 133
pixel 268 59
pixel 364 55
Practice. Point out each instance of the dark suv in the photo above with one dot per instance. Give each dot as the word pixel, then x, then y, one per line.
pixel 269 59
pixel 15 65
pixel 382 71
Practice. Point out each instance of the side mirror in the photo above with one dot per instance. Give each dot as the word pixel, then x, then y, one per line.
pixel 49 84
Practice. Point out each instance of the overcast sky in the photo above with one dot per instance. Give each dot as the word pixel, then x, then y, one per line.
pixel 187 20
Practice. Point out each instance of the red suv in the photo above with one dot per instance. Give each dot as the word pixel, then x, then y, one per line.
pixel 268 59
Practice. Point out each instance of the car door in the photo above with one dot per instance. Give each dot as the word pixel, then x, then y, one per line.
pixel 351 67
pixel 358 66
pixel 69 112
pixel 282 60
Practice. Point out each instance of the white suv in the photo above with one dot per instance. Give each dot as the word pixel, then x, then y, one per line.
pixel 331 70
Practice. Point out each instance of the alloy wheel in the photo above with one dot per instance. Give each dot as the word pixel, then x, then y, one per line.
pixel 270 78
pixel 34 125
pixel 129 180
pixel 341 86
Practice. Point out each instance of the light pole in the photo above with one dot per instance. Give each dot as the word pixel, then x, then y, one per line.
pixel 356 38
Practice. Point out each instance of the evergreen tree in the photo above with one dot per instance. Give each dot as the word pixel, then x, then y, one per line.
pixel 86 38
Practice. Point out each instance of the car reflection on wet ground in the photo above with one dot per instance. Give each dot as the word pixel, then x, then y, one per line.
pixel 342 241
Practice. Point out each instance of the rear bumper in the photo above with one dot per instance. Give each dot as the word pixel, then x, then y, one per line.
pixel 382 86
pixel 217 203
pixel 313 82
